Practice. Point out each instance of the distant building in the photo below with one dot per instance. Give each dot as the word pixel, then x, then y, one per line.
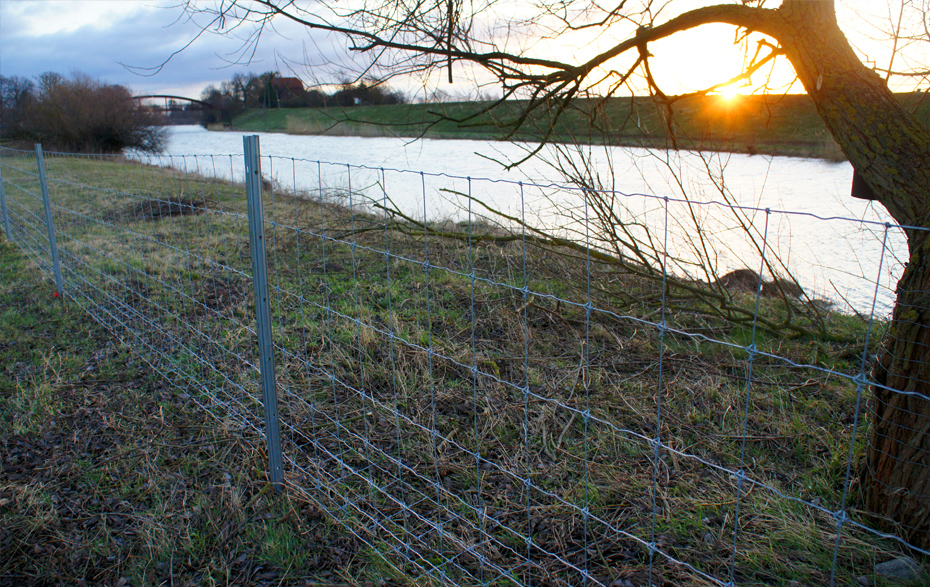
pixel 287 88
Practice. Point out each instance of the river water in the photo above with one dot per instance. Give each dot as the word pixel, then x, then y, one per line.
pixel 834 245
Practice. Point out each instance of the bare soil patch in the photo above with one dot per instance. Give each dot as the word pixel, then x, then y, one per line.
pixel 158 209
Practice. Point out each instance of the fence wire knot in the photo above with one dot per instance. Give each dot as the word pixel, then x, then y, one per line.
pixel 739 476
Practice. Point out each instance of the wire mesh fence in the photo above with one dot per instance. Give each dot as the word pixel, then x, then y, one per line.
pixel 484 401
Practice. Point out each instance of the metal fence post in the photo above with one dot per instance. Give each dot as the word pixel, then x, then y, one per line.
pixel 253 188
pixel 6 213
pixel 52 242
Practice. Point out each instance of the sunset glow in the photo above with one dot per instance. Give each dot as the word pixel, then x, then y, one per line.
pixel 69 35
pixel 730 93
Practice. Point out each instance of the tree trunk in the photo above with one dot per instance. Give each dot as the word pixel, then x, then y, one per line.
pixel 890 151
pixel 897 472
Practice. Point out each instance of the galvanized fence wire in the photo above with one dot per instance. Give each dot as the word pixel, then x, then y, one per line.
pixel 114 268
pixel 23 205
pixel 476 403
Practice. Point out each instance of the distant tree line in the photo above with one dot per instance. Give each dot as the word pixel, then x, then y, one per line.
pixel 76 114
pixel 270 90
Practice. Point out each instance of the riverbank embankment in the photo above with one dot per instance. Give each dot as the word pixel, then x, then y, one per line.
pixel 496 371
pixel 764 124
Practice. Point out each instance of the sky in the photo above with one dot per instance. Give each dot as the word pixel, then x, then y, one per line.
pixel 125 42
pixel 141 44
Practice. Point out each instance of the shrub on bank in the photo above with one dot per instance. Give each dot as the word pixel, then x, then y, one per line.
pixel 82 114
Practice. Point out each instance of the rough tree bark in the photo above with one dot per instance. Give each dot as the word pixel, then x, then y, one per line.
pixel 897 471
pixel 890 150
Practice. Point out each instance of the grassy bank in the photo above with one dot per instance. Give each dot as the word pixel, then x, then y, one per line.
pixel 423 377
pixel 111 476
pixel 773 125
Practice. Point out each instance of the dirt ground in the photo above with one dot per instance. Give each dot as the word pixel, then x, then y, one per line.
pixel 111 476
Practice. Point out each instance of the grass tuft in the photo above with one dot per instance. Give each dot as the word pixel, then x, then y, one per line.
pixel 435 425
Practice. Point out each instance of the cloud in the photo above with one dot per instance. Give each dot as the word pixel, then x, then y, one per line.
pixel 142 45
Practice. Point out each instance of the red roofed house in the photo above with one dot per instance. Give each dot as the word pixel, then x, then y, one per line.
pixel 287 88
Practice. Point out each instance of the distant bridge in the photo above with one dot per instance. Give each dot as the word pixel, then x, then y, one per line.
pixel 176 98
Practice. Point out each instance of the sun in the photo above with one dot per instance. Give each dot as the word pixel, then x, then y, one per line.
pixel 730 93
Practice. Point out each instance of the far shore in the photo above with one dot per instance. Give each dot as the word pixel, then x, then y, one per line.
pixel 827 150
pixel 786 125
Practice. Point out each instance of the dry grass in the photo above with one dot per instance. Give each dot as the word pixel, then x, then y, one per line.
pixel 440 420
pixel 112 476
pixel 336 128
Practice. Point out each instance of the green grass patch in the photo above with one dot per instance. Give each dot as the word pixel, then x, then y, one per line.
pixel 760 124
pixel 391 374
pixel 111 477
